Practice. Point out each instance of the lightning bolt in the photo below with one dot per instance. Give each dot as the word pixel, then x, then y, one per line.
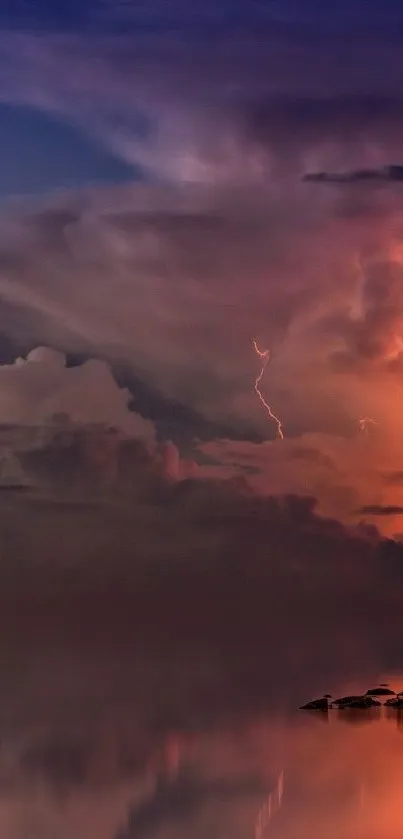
pixel 365 422
pixel 265 357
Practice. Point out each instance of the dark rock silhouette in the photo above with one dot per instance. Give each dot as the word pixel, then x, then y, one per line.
pixel 347 700
pixel 395 702
pixel 358 701
pixel 383 690
pixel 363 702
pixel 321 704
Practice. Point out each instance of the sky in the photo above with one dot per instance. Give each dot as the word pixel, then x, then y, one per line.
pixel 177 181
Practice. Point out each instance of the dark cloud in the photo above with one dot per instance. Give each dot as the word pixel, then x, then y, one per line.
pixel 240 106
pixel 292 127
pixel 174 420
pixel 207 19
pixel 380 510
pixel 178 567
pixel 59 763
pixel 386 173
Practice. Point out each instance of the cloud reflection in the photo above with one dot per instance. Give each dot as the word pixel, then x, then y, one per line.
pixel 105 775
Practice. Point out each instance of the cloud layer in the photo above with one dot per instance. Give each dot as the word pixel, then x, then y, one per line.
pixel 385 173
pixel 35 389
pixel 173 284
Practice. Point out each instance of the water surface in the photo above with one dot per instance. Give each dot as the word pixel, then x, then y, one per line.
pixel 96 748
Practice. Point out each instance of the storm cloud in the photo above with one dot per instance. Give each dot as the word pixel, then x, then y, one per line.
pixel 385 174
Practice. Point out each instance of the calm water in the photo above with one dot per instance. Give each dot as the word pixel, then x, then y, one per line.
pixel 94 750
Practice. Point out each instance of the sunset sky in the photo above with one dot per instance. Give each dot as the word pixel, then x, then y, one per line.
pixel 177 180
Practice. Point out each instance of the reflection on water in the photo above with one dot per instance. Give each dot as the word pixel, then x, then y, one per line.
pixel 101 770
pixel 344 778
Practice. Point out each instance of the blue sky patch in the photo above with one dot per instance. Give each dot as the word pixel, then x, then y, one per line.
pixel 40 153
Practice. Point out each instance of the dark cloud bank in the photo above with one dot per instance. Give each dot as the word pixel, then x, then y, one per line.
pixel 385 174
pixel 103 546
pixel 135 605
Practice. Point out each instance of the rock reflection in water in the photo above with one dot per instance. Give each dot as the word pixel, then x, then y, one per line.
pixel 343 780
pixel 355 716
